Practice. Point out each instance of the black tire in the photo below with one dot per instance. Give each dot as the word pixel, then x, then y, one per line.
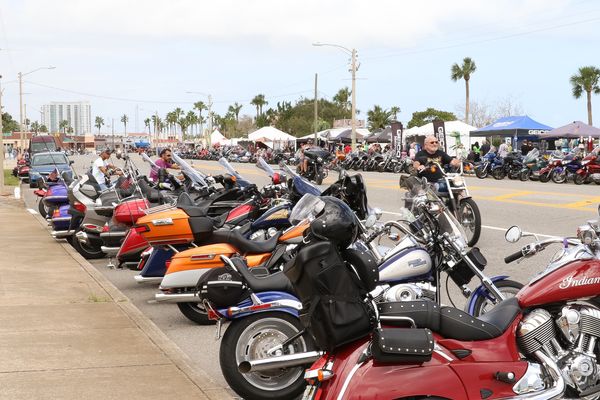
pixel 507 287
pixel 524 175
pixel 512 174
pixel 470 219
pixel 579 179
pixel 498 173
pixel 356 166
pixel 319 178
pixel 545 177
pixel 481 173
pixel 559 177
pixel 42 209
pixel 195 312
pixel 381 168
pixel 244 336
pixel 397 168
pixel 89 252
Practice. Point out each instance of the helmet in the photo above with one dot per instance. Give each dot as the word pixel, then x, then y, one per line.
pixel 336 223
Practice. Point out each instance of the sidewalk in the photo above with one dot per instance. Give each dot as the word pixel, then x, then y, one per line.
pixel 68 333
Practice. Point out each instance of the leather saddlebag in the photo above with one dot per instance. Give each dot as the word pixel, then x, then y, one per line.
pixel 414 346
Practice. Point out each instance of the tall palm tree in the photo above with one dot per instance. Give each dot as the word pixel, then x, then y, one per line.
pixel 259 101
pixel 342 98
pixel 124 120
pixel 35 126
pixel 191 119
pixel 178 115
pixel 395 110
pixel 235 109
pixel 147 124
pixel 63 125
pixel 586 80
pixel 464 71
pixel 171 120
pixel 200 106
pixel 378 118
pixel 98 122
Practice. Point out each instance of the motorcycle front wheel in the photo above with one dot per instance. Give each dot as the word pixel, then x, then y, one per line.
pixel 498 173
pixel 470 219
pixel 524 175
pixel 249 339
pixel 579 179
pixel 507 287
pixel 481 172
pixel 559 177
pixel 545 177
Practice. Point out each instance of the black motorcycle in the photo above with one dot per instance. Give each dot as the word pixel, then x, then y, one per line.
pixel 315 167
pixel 511 166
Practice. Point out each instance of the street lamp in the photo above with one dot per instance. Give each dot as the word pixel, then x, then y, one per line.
pixel 353 69
pixel 21 75
pixel 209 114
pixel 1 146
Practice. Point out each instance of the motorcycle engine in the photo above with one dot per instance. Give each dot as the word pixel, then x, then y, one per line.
pixel 570 340
pixel 409 292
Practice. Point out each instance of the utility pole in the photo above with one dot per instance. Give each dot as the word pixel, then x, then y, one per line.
pixel 21 113
pixel 210 120
pixel 1 146
pixel 353 99
pixel 316 112
pixel 113 133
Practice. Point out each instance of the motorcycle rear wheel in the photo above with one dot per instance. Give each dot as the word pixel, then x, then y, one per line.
pixel 579 179
pixel 545 177
pixel 88 251
pixel 524 175
pixel 507 287
pixel 196 313
pixel 248 339
pixel 470 219
pixel 42 209
pixel 498 173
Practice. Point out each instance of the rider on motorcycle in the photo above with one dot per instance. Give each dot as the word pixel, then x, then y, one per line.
pixel 432 154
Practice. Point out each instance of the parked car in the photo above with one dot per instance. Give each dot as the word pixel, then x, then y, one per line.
pixel 42 164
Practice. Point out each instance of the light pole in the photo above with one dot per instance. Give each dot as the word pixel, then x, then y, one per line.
pixel 209 105
pixel 353 69
pixel 21 75
pixel 1 146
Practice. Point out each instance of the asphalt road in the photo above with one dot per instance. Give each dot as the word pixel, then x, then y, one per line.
pixel 542 208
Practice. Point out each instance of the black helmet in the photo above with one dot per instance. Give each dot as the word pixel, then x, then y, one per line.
pixel 336 223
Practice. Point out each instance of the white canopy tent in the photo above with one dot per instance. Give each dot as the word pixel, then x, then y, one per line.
pixel 452 127
pixel 333 133
pixel 217 137
pixel 271 134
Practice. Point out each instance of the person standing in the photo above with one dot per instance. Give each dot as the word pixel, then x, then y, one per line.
pixel 485 147
pixel 101 169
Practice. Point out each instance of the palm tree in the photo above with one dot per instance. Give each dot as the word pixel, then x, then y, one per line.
pixel 259 101
pixel 98 122
pixel 171 120
pixel 586 80
pixel 124 120
pixel 342 98
pixel 147 124
pixel 378 118
pixel 191 119
pixel 200 106
pixel 178 115
pixel 395 110
pixel 235 110
pixel 64 124
pixel 464 71
pixel 35 126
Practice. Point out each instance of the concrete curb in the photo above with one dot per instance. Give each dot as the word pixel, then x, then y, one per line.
pixel 197 375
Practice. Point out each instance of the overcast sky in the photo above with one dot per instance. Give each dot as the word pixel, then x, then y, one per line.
pixel 122 55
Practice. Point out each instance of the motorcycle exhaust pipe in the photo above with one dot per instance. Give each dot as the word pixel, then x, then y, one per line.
pixel 291 360
pixel 176 298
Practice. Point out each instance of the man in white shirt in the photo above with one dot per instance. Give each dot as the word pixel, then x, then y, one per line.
pixel 100 169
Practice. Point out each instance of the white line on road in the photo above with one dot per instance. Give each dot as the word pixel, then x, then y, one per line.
pixel 32 211
pixel 494 228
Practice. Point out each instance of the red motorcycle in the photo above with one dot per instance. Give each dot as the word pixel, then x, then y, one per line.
pixel 590 169
pixel 541 344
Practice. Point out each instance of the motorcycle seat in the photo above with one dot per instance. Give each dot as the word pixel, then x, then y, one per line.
pixel 274 282
pixel 244 245
pixel 453 323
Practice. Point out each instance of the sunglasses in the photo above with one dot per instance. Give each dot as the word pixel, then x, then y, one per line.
pixel 433 142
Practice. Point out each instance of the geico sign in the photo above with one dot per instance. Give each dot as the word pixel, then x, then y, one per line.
pixel 536 131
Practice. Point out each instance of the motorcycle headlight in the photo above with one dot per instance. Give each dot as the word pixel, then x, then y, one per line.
pixel 458 181
pixel 319 159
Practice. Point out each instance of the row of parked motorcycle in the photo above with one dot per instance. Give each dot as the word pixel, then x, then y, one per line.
pixel 325 301
pixel 557 166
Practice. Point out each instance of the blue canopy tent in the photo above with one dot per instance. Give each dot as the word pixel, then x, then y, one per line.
pixel 142 144
pixel 519 127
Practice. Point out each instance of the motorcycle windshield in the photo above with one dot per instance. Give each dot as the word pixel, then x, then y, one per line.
pixel 192 173
pixel 153 165
pixel 307 208
pixel 262 164
pixel 239 179
pixel 531 156
pixel 301 185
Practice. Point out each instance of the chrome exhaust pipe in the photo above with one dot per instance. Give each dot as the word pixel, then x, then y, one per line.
pixel 62 234
pixel 176 297
pixel 110 251
pixel 148 279
pixel 558 387
pixel 82 237
pixel 291 360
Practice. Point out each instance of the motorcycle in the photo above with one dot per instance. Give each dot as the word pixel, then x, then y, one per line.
pixel 566 168
pixel 533 167
pixel 590 169
pixel 485 167
pixel 511 166
pixel 315 168
pixel 540 344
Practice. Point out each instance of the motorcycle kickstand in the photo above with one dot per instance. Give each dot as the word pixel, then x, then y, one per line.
pixel 110 264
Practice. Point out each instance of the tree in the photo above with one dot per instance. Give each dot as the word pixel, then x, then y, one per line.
pixel 64 124
pixel 147 124
pixel 235 110
pixel 259 101
pixel 586 81
pixel 178 115
pixel 342 98
pixel 191 119
pixel 378 118
pixel 98 122
pixel 35 126
pixel 124 120
pixel 464 71
pixel 171 119
pixel 9 124
pixel 200 106
pixel 420 118
pixel 395 110
pixel 43 129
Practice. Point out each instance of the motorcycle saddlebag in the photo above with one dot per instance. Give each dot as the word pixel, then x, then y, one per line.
pixel 414 346
pixel 334 310
pixel 222 287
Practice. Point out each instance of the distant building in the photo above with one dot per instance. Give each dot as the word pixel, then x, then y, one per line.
pixel 78 114
pixel 347 123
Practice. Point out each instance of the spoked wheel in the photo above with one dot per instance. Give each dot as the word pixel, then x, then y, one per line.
pixel 508 289
pixel 195 312
pixel 470 219
pixel 249 339
pixel 481 172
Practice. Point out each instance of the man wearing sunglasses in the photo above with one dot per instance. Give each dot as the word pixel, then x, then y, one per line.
pixel 165 161
pixel 426 160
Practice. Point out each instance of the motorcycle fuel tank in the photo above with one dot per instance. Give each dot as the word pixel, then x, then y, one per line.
pixel 405 261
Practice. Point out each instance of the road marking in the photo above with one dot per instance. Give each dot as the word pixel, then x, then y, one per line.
pixel 32 211
pixel 509 195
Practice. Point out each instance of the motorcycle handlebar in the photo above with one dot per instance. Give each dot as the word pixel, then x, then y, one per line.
pixel 513 257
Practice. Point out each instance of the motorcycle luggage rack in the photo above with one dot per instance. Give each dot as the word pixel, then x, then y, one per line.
pixel 157 209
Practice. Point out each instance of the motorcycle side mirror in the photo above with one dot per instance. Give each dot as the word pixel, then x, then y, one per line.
pixel 378 213
pixel 513 234
pixel 370 221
